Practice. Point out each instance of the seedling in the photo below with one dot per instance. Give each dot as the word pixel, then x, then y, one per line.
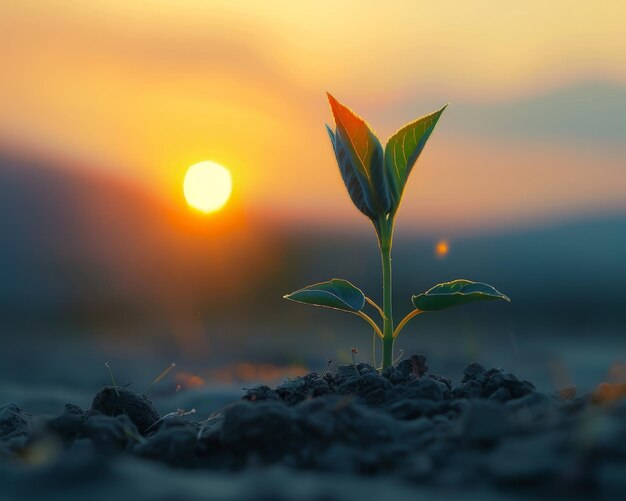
pixel 375 180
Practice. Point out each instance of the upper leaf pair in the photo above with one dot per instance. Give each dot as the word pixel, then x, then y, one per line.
pixel 375 181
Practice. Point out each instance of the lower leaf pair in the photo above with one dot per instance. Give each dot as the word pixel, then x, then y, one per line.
pixel 342 295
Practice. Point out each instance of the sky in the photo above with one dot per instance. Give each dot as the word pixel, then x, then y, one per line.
pixel 142 90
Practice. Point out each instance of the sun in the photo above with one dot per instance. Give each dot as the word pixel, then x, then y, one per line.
pixel 207 186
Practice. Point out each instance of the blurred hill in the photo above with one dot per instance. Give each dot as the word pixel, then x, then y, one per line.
pixel 94 254
pixel 81 249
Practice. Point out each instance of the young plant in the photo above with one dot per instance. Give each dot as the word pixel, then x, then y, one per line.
pixel 375 181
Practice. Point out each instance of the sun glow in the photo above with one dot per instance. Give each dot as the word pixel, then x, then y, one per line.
pixel 207 186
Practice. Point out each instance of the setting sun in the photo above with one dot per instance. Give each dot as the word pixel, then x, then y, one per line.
pixel 207 186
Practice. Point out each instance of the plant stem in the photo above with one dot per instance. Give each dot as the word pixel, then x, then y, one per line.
pixel 387 352
pixel 385 241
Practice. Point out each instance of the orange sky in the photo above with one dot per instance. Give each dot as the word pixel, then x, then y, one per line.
pixel 142 90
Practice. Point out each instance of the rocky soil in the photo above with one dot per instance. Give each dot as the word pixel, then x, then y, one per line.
pixel 402 431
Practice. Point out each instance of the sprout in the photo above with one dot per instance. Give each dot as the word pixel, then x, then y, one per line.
pixel 375 179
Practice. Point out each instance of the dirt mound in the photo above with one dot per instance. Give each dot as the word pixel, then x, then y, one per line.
pixel 489 430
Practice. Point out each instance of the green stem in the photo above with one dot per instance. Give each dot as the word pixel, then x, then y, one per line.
pixel 387 352
pixel 385 241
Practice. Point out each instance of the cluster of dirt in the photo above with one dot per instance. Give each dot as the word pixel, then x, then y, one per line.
pixel 489 430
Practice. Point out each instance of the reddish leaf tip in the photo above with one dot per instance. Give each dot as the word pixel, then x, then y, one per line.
pixel 335 106
pixel 331 100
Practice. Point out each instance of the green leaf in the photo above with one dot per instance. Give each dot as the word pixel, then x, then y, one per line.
pixel 455 293
pixel 360 158
pixel 351 178
pixel 336 293
pixel 403 149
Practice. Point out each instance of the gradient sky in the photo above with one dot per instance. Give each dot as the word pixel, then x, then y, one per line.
pixel 141 90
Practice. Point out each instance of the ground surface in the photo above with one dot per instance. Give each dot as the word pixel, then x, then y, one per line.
pixel 346 433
